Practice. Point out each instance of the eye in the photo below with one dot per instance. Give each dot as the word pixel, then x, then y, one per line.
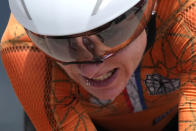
pixel 73 44
pixel 88 43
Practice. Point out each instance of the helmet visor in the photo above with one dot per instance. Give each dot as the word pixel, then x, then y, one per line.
pixel 99 43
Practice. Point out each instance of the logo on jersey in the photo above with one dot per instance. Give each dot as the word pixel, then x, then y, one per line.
pixel 164 115
pixel 157 84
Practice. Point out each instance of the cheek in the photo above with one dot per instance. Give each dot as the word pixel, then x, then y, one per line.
pixel 130 57
pixel 69 69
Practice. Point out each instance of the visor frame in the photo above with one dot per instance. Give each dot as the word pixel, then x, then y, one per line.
pixel 107 54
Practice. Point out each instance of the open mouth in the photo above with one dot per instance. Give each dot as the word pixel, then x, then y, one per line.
pixel 102 80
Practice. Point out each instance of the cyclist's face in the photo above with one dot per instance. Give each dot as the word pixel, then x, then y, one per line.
pixel 108 79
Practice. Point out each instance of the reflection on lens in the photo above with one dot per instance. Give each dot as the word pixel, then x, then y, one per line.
pixel 109 38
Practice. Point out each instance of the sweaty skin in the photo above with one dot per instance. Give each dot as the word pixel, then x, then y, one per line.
pixel 124 61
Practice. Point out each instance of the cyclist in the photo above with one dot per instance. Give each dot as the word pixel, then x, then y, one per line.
pixel 108 65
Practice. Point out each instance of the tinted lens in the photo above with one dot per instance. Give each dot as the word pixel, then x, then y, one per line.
pixel 129 24
pixel 96 43
pixel 66 50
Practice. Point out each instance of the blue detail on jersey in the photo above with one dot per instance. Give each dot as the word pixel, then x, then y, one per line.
pixel 140 91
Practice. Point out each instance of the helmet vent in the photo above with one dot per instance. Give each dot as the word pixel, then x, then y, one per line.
pixel 97 6
pixel 25 9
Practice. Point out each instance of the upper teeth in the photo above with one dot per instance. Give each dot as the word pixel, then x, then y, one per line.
pixel 103 77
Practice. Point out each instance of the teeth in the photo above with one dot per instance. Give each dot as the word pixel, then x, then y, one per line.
pixel 103 77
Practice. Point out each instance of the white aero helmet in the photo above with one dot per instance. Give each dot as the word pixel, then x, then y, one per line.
pixel 71 17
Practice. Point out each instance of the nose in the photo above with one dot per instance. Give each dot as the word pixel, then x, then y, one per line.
pixel 90 46
pixel 95 45
pixel 89 70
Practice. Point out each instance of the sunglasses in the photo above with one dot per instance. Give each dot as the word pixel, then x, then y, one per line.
pixel 97 45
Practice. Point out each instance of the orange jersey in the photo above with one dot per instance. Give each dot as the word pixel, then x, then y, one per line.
pixel 163 84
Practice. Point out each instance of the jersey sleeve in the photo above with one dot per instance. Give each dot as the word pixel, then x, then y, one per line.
pixel 180 36
pixel 186 31
pixel 46 93
pixel 176 37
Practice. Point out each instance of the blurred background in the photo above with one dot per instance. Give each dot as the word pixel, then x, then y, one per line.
pixel 11 112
